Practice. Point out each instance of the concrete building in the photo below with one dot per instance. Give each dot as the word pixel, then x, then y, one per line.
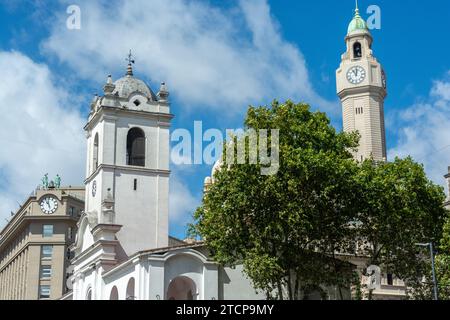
pixel 362 88
pixel 122 248
pixel 33 245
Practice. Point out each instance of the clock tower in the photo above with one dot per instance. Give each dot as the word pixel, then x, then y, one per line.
pixel 127 168
pixel 361 86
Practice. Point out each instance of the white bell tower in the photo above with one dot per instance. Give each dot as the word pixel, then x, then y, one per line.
pixel 127 178
pixel 361 86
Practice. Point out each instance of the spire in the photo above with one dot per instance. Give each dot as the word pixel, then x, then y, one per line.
pixel 357 23
pixel 356 9
pixel 130 63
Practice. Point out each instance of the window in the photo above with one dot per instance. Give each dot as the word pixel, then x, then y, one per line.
pixel 135 185
pixel 47 252
pixel 357 50
pixel 114 294
pixel 46 272
pixel 72 211
pixel 136 147
pixel 95 155
pixel 137 103
pixel 47 230
pixel 44 292
pixel 130 290
pixel 390 279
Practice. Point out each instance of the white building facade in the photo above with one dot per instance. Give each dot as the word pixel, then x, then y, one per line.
pixel 123 250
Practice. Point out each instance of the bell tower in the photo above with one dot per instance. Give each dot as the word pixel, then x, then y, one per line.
pixel 127 168
pixel 361 87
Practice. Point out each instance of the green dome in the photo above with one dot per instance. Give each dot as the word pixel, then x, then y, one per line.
pixel 357 23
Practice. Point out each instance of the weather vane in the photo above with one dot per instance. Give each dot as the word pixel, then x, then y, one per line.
pixel 130 58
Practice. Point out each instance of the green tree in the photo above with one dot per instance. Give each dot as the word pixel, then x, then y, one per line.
pixel 442 268
pixel 286 228
pixel 399 207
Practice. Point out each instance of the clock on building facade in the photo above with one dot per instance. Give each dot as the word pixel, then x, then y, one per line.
pixel 49 205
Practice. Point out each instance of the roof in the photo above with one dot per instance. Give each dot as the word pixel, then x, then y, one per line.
pixel 357 24
pixel 127 85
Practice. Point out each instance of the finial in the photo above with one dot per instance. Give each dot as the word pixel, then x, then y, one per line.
pixel 109 87
pixel 356 8
pixel 130 62
pixel 163 93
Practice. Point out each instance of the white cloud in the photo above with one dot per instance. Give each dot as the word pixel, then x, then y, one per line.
pixel 425 131
pixel 209 57
pixel 182 203
pixel 41 131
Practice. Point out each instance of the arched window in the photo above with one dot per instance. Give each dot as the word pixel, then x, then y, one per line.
pixel 357 50
pixel 114 294
pixel 89 294
pixel 95 154
pixel 130 290
pixel 136 147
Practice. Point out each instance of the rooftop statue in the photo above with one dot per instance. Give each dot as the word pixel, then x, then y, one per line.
pixel 57 182
pixel 45 181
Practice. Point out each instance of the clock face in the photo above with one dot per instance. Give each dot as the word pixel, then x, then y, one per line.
pixel 94 188
pixel 356 75
pixel 49 205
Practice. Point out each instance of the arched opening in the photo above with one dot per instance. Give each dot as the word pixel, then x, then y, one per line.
pixel 182 288
pixel 95 153
pixel 89 294
pixel 357 50
pixel 136 147
pixel 130 290
pixel 114 294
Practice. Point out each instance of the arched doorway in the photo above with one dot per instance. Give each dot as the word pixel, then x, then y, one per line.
pixel 114 294
pixel 182 288
pixel 130 290
pixel 89 294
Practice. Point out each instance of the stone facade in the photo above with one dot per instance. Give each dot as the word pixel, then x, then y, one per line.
pixel 361 86
pixel 34 246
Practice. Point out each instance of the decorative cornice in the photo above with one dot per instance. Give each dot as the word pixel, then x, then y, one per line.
pixel 96 246
pixel 362 90
pixel 126 168
pixel 112 111
pixel 168 252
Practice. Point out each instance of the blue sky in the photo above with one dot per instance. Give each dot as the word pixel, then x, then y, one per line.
pixel 217 58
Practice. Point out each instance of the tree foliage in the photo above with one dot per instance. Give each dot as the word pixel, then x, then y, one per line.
pixel 399 207
pixel 287 229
